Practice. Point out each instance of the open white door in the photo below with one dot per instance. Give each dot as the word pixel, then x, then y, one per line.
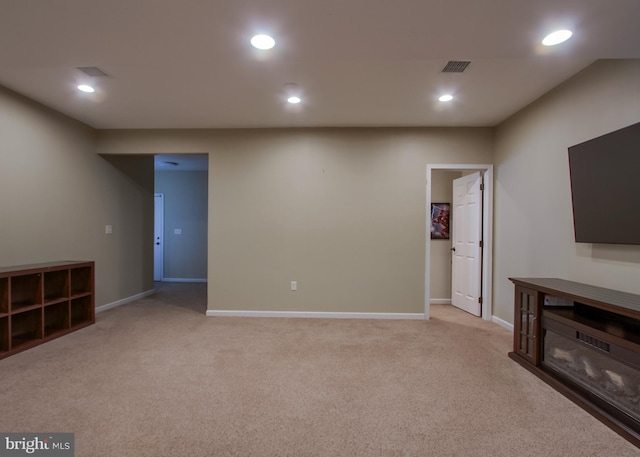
pixel 466 223
pixel 158 238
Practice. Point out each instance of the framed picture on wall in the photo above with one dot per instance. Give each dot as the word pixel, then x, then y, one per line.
pixel 440 221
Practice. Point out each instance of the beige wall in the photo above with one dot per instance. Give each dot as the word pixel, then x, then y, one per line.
pixel 533 215
pixel 57 196
pixel 341 211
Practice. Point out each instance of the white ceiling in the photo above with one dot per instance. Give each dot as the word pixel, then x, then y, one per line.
pixel 188 63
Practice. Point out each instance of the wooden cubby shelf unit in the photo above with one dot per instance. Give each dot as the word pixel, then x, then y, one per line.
pixel 43 301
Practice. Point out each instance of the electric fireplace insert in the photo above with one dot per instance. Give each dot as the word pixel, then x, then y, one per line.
pixel 598 365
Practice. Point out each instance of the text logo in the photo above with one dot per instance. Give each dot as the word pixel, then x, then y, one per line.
pixel 37 444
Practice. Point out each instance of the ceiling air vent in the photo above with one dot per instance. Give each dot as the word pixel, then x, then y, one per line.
pixel 456 66
pixel 93 71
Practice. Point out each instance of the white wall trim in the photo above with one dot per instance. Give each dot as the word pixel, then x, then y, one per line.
pixel 502 323
pixel 115 304
pixel 440 301
pixel 313 314
pixel 487 234
pixel 184 280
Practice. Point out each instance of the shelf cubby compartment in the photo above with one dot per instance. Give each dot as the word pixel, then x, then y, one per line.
pixel 56 318
pixel 4 296
pixel 56 285
pixel 43 301
pixel 26 291
pixel 26 327
pixel 81 280
pixel 4 334
pixel 82 312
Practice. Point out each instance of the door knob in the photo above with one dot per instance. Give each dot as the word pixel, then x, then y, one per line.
pixel 453 249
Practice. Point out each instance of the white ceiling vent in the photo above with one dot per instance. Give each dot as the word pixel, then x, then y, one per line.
pixel 93 71
pixel 456 66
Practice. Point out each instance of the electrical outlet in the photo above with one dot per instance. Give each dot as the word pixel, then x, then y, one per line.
pixel 108 229
pixel 294 285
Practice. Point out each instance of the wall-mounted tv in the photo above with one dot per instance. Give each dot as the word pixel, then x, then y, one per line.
pixel 605 187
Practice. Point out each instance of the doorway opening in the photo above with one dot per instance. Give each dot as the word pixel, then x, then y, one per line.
pixel 158 237
pixel 487 231
pixel 181 217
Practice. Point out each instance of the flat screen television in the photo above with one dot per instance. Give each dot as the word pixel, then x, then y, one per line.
pixel 605 187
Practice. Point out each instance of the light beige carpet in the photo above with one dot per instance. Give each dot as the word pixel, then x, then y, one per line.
pixel 157 378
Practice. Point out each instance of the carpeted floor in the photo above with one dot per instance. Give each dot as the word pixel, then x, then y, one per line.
pixel 157 378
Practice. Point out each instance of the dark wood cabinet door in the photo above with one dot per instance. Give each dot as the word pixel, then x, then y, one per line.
pixel 527 324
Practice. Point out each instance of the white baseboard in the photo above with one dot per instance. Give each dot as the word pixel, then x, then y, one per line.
pixel 115 304
pixel 440 301
pixel 184 280
pixel 312 314
pixel 502 323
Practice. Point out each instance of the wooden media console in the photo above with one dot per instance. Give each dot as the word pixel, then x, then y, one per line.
pixel 585 342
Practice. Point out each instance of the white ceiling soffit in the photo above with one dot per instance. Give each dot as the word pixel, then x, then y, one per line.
pixel 189 64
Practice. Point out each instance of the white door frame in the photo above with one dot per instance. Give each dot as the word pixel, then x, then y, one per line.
pixel 487 234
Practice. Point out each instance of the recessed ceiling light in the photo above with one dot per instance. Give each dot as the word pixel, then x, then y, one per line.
pixel 294 100
pixel 557 37
pixel 263 42
pixel 446 98
pixel 86 88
